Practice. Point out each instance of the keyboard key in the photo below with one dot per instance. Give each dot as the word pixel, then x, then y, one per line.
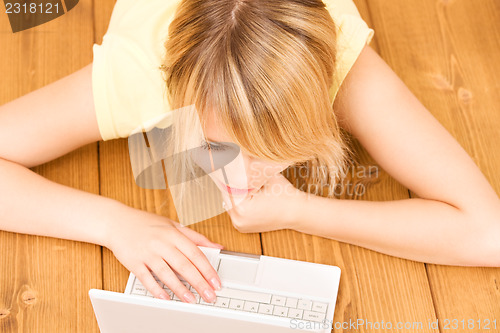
pixel 236 304
pixel 158 281
pixel 295 313
pixel 174 297
pixel 244 295
pixel 304 304
pixel 291 302
pixel 280 311
pixel 313 316
pixel 319 307
pixel 193 291
pixel 202 301
pixel 222 302
pixel 278 300
pixel 251 301
pixel 169 292
pixel 266 308
pixel 251 306
pixel 137 282
pixel 139 289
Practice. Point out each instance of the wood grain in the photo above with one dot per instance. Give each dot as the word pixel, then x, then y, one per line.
pixel 447 53
pixel 44 281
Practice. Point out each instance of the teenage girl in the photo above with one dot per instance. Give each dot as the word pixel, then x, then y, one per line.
pixel 279 78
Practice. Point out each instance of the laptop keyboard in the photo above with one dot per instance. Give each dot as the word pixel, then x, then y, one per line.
pixel 251 301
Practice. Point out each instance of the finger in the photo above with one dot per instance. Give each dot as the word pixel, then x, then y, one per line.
pixel 194 260
pixel 148 281
pixel 190 273
pixel 177 224
pixel 199 239
pixel 197 270
pixel 226 203
pixel 229 205
pixel 168 277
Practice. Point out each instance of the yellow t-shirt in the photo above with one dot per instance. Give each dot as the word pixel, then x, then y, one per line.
pixel 127 83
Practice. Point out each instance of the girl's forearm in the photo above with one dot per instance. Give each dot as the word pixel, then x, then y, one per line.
pixel 417 229
pixel 31 204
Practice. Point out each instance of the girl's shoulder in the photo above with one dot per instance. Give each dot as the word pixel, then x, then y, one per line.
pixel 127 80
pixel 353 33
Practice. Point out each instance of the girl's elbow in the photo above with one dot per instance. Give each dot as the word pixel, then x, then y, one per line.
pixel 483 246
pixel 487 248
pixel 494 247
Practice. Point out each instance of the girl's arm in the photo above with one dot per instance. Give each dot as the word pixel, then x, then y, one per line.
pixel 31 204
pixel 455 221
pixel 417 229
pixel 52 121
pixel 49 122
pixel 36 128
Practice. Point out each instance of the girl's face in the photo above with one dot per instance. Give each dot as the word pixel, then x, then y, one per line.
pixel 243 174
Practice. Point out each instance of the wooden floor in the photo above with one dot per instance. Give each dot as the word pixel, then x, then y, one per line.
pixel 446 51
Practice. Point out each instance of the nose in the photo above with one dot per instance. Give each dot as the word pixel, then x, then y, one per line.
pixel 243 172
pixel 259 171
pixel 247 171
pixel 251 170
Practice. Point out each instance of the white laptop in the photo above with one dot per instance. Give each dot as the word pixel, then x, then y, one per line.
pixel 259 294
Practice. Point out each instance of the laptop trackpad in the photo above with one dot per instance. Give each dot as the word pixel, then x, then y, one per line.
pixel 238 270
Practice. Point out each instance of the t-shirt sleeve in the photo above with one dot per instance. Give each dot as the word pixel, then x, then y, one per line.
pixel 353 34
pixel 127 82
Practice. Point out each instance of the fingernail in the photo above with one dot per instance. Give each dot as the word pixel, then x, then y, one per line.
pixel 209 295
pixel 163 296
pixel 215 283
pixel 189 297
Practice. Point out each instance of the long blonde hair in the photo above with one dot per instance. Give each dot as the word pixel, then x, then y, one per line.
pixel 264 67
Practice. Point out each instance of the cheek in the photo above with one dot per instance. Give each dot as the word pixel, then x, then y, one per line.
pixel 264 172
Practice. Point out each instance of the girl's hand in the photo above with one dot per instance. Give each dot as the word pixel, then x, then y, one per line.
pixel 272 207
pixel 145 242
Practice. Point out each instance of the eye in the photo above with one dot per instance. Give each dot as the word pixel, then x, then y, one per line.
pixel 212 146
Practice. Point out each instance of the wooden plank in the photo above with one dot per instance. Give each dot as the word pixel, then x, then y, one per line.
pixel 374 287
pixel 44 281
pixel 447 52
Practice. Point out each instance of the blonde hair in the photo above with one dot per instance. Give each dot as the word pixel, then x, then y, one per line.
pixel 264 67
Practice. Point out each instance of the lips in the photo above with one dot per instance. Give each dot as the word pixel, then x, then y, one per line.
pixel 235 191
